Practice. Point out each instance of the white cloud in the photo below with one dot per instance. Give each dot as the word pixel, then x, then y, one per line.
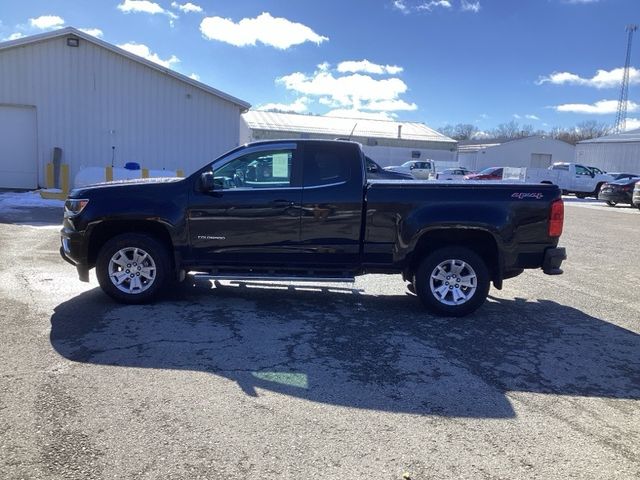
pixel 428 6
pixel 389 105
pixel 144 6
pixel 187 7
pixel 408 6
pixel 143 51
pixel 346 94
pixel 528 116
pixel 353 91
pixel 468 6
pixel 602 78
pixel 13 36
pixel 632 124
pixel 46 22
pixel 481 135
pixel 601 107
pixel 301 105
pixel 272 31
pixel 400 5
pixel 194 76
pixel 356 114
pixel 367 67
pixel 94 32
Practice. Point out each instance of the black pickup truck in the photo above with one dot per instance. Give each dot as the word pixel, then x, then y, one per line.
pixel 305 210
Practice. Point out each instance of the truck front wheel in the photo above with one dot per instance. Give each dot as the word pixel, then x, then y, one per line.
pixel 133 268
pixel 452 282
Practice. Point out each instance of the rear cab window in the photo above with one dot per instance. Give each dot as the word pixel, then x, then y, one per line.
pixel 328 164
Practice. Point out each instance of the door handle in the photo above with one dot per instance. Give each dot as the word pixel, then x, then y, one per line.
pixel 282 203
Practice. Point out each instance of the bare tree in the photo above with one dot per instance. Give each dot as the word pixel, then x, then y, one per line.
pixel 592 129
pixel 582 131
pixel 461 131
pixel 448 130
pixel 465 131
pixel 507 131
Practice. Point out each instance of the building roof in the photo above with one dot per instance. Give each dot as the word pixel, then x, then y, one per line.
pixel 476 147
pixel 624 137
pixel 89 38
pixel 342 127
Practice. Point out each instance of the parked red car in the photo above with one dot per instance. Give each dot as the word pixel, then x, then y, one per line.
pixel 491 173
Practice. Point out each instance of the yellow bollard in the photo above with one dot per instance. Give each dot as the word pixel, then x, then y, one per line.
pixel 145 173
pixel 64 178
pixel 49 179
pixel 108 174
pixel 64 183
pixel 179 173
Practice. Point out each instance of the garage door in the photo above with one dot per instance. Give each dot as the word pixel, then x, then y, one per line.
pixel 18 151
pixel 540 160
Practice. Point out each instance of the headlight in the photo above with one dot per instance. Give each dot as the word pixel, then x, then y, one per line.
pixel 73 206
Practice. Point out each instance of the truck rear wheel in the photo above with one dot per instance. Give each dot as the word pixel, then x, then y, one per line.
pixel 452 281
pixel 133 268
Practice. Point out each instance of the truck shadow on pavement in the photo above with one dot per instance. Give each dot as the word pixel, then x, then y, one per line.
pixel 344 347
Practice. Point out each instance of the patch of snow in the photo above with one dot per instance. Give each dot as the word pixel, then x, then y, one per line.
pixel 17 200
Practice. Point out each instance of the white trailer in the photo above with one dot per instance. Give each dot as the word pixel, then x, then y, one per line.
pixel 570 177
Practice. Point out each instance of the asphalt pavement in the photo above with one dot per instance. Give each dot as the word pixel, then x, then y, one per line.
pixel 255 380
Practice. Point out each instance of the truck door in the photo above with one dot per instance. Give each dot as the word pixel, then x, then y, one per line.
pixel 332 198
pixel 583 180
pixel 252 215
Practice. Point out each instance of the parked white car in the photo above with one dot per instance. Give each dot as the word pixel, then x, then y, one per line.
pixel 570 177
pixel 457 173
pixel 419 169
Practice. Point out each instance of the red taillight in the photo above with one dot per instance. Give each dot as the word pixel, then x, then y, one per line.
pixel 556 218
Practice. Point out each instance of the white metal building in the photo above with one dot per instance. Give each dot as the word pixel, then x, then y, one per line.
pixel 612 153
pixel 70 90
pixel 536 151
pixel 386 142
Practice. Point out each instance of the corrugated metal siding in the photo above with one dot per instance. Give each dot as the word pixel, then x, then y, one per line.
pixel 89 98
pixel 517 153
pixel 610 157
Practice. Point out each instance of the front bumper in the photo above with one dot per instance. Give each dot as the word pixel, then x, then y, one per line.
pixel 553 258
pixel 73 251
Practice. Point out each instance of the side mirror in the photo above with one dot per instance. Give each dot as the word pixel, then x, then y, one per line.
pixel 372 168
pixel 411 167
pixel 207 182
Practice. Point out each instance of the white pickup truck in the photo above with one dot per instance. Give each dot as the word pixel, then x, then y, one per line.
pixel 418 169
pixel 570 177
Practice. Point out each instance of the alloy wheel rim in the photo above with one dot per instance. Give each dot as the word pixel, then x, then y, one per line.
pixel 453 282
pixel 132 270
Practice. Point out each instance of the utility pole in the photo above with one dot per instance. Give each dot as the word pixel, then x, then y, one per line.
pixel 621 116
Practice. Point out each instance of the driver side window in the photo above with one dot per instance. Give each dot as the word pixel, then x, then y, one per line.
pixel 580 170
pixel 266 169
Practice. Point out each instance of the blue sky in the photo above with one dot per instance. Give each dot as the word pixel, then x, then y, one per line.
pixel 541 62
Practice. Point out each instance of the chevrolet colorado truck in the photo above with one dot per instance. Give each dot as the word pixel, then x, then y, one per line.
pixel 304 210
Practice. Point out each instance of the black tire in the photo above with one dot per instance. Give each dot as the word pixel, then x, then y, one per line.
pixel 422 282
pixel 156 261
pixel 596 192
pixel 611 204
pixel 581 195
